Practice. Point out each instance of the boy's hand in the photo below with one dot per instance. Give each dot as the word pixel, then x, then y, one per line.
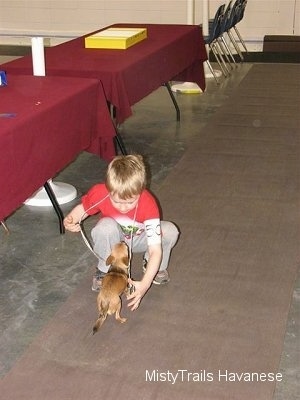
pixel 70 225
pixel 72 219
pixel 138 293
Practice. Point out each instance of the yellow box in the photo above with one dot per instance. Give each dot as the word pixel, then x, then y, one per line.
pixel 115 38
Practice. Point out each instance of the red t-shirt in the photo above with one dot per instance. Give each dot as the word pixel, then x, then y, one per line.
pixel 144 217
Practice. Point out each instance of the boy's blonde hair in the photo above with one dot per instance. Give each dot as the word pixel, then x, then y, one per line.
pixel 126 176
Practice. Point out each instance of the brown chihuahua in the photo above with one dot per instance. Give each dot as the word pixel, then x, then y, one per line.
pixel 114 284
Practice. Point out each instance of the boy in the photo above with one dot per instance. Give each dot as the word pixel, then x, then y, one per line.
pixel 129 213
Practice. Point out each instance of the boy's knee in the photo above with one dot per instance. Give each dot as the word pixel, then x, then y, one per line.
pixel 170 232
pixel 106 225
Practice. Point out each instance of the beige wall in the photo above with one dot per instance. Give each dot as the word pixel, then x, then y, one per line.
pixel 71 18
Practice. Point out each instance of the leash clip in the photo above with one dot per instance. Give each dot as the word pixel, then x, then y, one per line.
pixel 131 288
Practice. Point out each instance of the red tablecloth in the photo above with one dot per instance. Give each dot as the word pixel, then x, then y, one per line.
pixel 45 122
pixel 170 52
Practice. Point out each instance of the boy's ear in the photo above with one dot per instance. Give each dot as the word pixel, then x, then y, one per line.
pixel 110 259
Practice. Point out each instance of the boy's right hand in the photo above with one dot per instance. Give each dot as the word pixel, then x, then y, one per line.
pixel 70 225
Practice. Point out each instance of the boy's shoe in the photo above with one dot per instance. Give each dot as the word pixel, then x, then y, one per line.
pixel 97 280
pixel 161 278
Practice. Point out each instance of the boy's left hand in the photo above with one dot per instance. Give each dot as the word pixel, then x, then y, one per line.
pixel 137 294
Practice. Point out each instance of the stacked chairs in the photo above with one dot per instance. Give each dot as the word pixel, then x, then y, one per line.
pixel 225 21
pixel 239 15
pixel 211 41
pixel 233 13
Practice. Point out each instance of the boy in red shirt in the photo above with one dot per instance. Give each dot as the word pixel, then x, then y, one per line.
pixel 130 213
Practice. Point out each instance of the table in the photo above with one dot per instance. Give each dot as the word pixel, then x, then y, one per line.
pixel 45 122
pixel 170 52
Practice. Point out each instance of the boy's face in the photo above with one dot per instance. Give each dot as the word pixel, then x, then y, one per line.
pixel 123 206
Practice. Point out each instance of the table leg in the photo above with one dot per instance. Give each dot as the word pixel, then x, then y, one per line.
pixel 120 144
pixel 56 207
pixel 118 141
pixel 167 85
pixel 5 227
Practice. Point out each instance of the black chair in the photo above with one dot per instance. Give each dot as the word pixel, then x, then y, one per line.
pixel 229 21
pixel 240 12
pixel 224 23
pixel 211 40
pixel 236 15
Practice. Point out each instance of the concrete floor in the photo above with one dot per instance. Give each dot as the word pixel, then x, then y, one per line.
pixel 36 277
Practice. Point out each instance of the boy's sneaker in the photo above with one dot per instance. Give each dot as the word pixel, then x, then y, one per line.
pixel 161 278
pixel 97 280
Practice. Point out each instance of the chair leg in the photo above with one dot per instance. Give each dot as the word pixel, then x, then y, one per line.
pixel 212 71
pixel 228 49
pixel 235 45
pixel 217 57
pixel 224 52
pixel 220 53
pixel 240 38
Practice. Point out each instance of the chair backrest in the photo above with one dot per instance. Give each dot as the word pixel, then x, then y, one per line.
pixel 235 14
pixel 243 4
pixel 226 18
pixel 215 28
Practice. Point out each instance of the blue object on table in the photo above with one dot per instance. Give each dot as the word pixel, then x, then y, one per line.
pixel 7 115
pixel 3 80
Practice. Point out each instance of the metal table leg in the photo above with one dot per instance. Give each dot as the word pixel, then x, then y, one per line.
pixel 56 207
pixel 118 141
pixel 5 227
pixel 167 85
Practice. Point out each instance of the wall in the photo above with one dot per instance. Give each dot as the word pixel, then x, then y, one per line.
pixel 62 19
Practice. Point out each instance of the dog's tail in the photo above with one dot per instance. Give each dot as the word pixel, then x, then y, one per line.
pixel 102 316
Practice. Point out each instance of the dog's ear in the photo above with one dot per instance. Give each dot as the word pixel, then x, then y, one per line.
pixel 110 260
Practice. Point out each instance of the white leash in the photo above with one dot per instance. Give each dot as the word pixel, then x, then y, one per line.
pixel 89 246
pixel 83 235
pixel 130 244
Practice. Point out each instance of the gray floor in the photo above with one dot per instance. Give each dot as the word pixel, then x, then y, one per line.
pixel 36 275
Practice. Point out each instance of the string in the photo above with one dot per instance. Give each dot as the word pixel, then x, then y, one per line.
pixel 131 241
pixel 86 241
pixel 83 235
